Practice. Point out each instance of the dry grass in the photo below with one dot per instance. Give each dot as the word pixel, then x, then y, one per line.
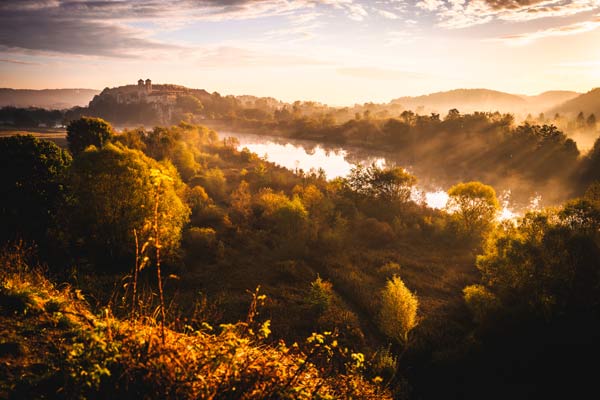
pixel 53 346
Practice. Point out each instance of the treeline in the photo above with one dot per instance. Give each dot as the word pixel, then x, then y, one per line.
pixel 31 117
pixel 478 146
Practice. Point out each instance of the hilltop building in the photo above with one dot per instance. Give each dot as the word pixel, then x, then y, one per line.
pixel 145 93
pixel 142 98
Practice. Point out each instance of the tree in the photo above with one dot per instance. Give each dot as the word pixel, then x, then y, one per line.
pixel 88 131
pixel 241 202
pixel 286 217
pixel 398 315
pixel 389 184
pixel 114 192
pixel 548 263
pixel 475 204
pixel 320 295
pixel 189 103
pixel 580 120
pixel 452 115
pixel 591 121
pixel 32 173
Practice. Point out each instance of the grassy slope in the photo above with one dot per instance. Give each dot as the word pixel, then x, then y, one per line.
pixel 52 346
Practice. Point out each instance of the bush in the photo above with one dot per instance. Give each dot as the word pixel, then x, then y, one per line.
pixel 480 301
pixel 320 295
pixel 374 233
pixel 398 315
pixel 202 243
pixel 213 182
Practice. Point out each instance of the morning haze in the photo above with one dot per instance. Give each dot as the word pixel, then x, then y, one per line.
pixel 299 199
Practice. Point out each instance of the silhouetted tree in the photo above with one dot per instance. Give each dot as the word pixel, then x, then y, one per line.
pixel 32 173
pixel 580 121
pixel 88 131
pixel 591 121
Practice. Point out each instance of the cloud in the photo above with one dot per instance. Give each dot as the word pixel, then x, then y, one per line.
pixel 376 73
pixel 565 30
pixel 394 38
pixel 580 64
pixel 104 27
pixel 387 14
pixel 74 37
pixel 19 62
pixel 235 57
pixel 456 14
pixel 430 5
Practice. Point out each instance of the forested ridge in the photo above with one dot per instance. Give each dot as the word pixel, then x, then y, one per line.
pixel 167 263
pixel 543 154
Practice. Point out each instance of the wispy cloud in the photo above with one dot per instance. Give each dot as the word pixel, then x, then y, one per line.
pixel 237 57
pixel 455 14
pixel 387 14
pixel 400 37
pixel 580 64
pixel 19 62
pixel 565 30
pixel 376 73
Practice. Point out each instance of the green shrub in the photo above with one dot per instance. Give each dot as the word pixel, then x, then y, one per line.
pixel 320 295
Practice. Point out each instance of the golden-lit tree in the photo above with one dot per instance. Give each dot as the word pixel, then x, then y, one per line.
pixel 475 205
pixel 398 314
pixel 113 192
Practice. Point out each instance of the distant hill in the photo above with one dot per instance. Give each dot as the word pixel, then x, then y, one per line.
pixel 588 103
pixel 550 99
pixel 469 100
pixel 46 98
pixel 465 100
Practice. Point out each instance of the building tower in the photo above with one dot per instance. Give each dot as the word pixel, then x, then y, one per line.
pixel 148 86
pixel 140 84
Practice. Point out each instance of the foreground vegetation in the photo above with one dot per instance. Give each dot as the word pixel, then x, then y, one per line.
pixel 165 231
pixel 53 346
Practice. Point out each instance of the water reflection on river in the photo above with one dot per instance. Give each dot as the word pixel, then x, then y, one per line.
pixel 293 154
pixel 337 162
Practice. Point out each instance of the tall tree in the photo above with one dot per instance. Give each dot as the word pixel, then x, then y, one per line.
pixel 114 191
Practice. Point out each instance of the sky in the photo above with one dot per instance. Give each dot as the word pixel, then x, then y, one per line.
pixel 338 52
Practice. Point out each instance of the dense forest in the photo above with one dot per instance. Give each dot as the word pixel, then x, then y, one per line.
pixel 166 262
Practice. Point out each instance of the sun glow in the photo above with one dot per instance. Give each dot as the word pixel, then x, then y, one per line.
pixel 436 200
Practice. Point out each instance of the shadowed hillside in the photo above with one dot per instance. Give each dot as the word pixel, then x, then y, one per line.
pixel 46 98
pixel 588 103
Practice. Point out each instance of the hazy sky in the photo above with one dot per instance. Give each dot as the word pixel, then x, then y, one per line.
pixel 334 51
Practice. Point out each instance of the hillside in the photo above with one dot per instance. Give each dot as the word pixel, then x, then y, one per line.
pixel 54 345
pixel 549 99
pixel 46 98
pixel 465 100
pixel 469 100
pixel 587 103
